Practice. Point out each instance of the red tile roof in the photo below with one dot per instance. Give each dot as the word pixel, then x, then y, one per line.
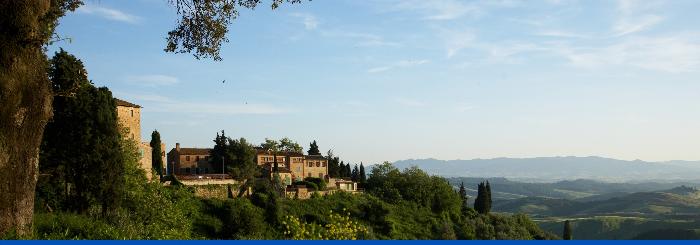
pixel 126 103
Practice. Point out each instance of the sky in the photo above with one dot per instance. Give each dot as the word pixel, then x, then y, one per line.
pixel 386 80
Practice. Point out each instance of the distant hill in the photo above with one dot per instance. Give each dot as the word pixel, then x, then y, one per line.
pixel 611 227
pixel 581 189
pixel 669 234
pixel 677 201
pixel 561 168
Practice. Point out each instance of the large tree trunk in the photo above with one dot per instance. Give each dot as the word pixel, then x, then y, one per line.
pixel 25 107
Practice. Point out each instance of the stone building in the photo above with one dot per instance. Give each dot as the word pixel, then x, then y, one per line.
pixel 298 165
pixel 184 161
pixel 129 116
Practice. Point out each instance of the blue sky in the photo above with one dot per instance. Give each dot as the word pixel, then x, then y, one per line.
pixel 397 79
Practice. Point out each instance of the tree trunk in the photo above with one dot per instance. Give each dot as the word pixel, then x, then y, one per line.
pixel 25 107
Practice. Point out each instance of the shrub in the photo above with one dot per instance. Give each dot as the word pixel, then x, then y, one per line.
pixel 338 227
pixel 320 183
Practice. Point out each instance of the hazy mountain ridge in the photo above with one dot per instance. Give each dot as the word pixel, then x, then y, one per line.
pixel 561 168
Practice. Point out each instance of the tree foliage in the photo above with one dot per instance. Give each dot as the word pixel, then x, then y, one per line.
pixel 338 227
pixel 333 164
pixel 313 149
pixel 363 175
pixel 567 234
pixel 220 157
pixel 482 203
pixel 156 154
pixel 89 166
pixel 414 185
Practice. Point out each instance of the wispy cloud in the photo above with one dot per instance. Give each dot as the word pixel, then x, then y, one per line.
pixel 108 13
pixel 409 102
pixel 400 64
pixel 633 16
pixel 680 53
pixel 561 34
pixel 455 41
pixel 362 39
pixel 310 22
pixel 153 80
pixel 219 108
pixel 439 10
pixel 631 25
pixel 463 107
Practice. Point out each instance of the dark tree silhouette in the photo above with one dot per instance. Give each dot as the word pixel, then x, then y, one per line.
pixel 568 234
pixel 81 147
pixel 481 204
pixel 313 149
pixel 156 154
pixel 363 176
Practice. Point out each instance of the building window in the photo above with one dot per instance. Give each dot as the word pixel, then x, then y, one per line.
pixel 187 158
pixel 187 170
pixel 309 174
pixel 197 157
pixel 318 164
pixel 320 175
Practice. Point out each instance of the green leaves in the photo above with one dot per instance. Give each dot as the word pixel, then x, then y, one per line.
pixel 203 25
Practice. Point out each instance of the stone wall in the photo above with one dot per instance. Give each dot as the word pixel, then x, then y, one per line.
pixel 130 117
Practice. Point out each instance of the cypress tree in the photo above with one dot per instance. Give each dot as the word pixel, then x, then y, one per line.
pixel 355 174
pixel 313 149
pixel 568 234
pixel 464 198
pixel 480 204
pixel 488 197
pixel 348 172
pixel 462 191
pixel 363 176
pixel 156 151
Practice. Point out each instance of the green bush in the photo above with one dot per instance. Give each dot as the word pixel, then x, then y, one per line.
pixel 320 183
pixel 65 226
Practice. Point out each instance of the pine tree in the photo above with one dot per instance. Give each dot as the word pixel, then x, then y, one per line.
pixel 313 149
pixel 568 234
pixel 363 176
pixel 156 154
pixel 355 174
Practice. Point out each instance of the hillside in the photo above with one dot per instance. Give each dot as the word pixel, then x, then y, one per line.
pixel 615 227
pixel 677 201
pixel 561 168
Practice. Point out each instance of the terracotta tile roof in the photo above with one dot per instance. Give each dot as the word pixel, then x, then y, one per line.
pixel 195 151
pixel 126 104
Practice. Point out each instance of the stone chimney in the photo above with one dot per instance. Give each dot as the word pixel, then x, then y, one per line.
pixel 177 147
